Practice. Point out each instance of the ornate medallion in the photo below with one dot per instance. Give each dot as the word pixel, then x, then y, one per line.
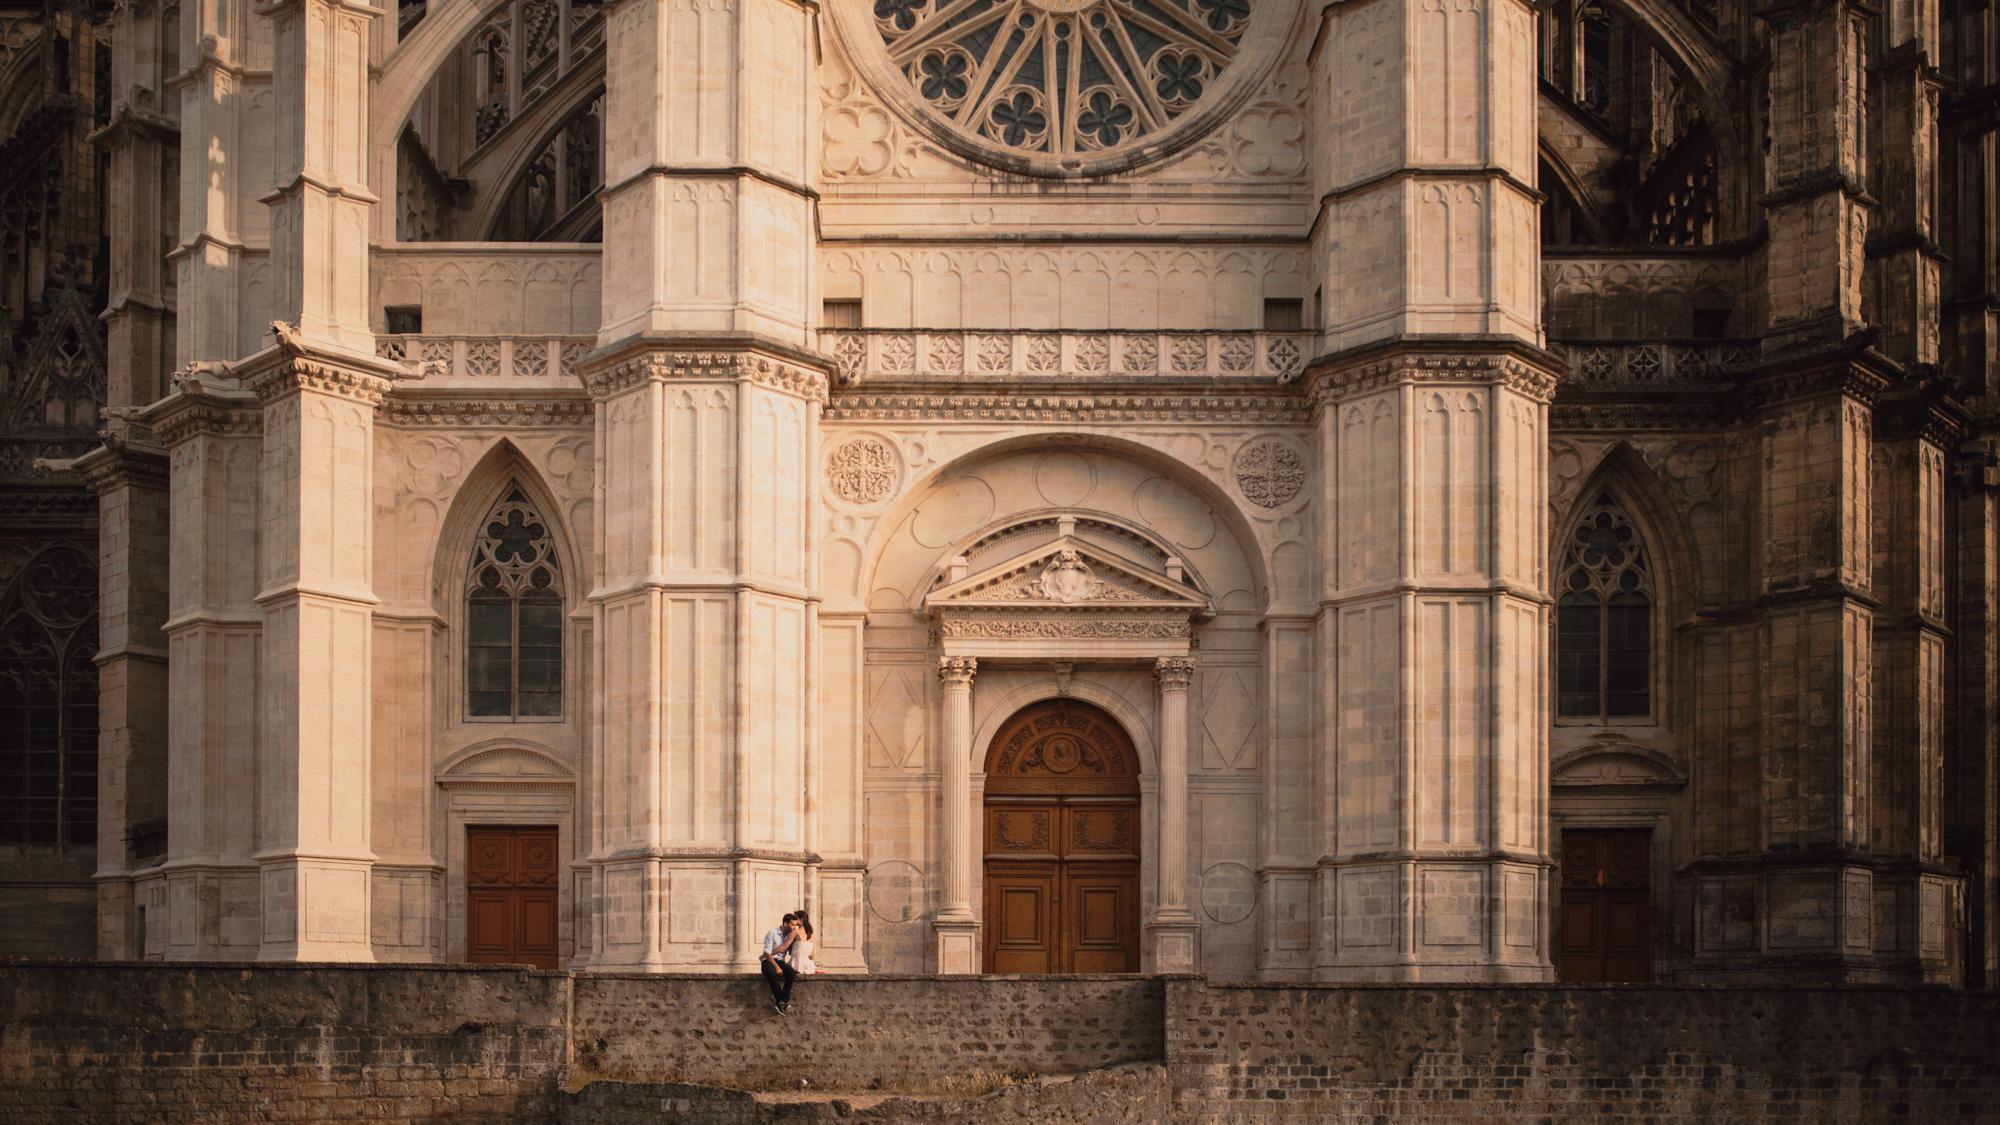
pixel 1269 472
pixel 1067 86
pixel 862 471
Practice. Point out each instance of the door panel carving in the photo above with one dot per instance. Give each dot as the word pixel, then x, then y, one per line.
pixel 511 909
pixel 1062 843
pixel 1607 927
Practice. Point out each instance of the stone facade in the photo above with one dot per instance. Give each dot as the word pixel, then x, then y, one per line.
pixel 1445 438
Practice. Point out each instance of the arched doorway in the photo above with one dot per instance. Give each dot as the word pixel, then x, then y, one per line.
pixel 1061 841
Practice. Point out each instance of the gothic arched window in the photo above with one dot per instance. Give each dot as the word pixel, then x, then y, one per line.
pixel 514 615
pixel 48 702
pixel 1604 618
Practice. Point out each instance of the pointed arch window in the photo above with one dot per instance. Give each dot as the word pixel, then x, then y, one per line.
pixel 48 702
pixel 514 615
pixel 1604 618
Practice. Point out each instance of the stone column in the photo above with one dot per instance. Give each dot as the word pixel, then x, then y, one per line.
pixel 956 926
pixel 209 907
pixel 1175 935
pixel 129 475
pixel 1432 407
pixel 708 422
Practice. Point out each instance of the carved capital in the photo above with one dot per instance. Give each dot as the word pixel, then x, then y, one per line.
pixel 955 672
pixel 299 374
pixel 1174 673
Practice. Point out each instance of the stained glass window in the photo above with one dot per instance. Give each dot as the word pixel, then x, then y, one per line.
pixel 1604 618
pixel 514 615
pixel 1062 77
pixel 48 701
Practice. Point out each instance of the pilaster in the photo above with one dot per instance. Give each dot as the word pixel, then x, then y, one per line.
pixel 708 224
pixel 225 61
pixel 320 202
pixel 129 475
pixel 1174 933
pixel 315 548
pixel 956 927
pixel 210 902
pixel 1434 633
pixel 1426 168
pixel 704 618
pixel 1816 203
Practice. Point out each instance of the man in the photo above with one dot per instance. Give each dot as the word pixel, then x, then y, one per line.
pixel 777 971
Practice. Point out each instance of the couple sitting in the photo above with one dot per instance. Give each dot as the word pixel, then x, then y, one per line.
pixel 788 955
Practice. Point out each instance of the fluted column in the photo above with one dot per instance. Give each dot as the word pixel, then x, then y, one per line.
pixel 957 929
pixel 1173 927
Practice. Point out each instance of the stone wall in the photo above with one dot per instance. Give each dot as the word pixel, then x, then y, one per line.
pixel 1243 1052
pixel 225 1043
pixel 215 1043
pixel 903 1034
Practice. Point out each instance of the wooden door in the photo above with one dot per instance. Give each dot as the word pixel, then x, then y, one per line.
pixel 1607 929
pixel 511 878
pixel 1062 844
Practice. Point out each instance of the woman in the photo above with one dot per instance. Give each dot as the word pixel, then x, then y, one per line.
pixel 796 953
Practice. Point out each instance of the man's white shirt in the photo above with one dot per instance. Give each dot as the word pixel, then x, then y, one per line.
pixel 773 939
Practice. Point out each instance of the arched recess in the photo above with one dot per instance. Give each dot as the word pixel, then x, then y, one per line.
pixel 1625 471
pixel 892 526
pixel 1137 723
pixel 476 494
pixel 1631 483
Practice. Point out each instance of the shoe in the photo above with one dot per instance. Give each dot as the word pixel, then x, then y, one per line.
pixel 785 1009
pixel 778 1008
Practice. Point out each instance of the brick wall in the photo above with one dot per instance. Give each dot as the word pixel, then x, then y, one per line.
pixel 905 1034
pixel 111 1043
pixel 1239 1052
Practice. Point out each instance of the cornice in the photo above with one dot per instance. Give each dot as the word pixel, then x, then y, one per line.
pixel 1517 366
pixel 196 408
pixel 295 365
pixel 623 369
pixel 465 409
pixel 122 461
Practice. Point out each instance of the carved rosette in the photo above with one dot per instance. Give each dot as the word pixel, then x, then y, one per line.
pixel 1269 473
pixel 863 471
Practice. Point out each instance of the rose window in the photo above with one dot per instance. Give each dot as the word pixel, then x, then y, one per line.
pixel 1063 86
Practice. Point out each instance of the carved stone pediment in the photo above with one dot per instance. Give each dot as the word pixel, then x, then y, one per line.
pixel 1070 574
pixel 1067 596
pixel 1612 760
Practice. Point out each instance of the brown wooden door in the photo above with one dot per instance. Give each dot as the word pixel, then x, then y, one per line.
pixel 1062 844
pixel 1607 928
pixel 511 877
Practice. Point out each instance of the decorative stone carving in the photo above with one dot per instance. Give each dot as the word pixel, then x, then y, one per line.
pixel 1084 86
pixel 863 471
pixel 1174 673
pixel 957 671
pixel 1269 473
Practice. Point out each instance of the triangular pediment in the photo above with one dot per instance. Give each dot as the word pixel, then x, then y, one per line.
pixel 1068 573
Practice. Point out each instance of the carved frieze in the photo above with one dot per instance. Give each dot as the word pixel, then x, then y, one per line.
pixel 673 366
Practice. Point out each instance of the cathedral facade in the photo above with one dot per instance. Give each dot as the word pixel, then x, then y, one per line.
pixel 1379 490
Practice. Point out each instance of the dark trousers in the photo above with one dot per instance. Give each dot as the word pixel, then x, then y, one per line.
pixel 779 975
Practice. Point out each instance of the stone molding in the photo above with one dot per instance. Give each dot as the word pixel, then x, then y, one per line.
pixel 1124 404
pixel 618 375
pixel 196 410
pixel 1332 381
pixel 1059 626
pixel 898 355
pixel 122 462
pixel 453 411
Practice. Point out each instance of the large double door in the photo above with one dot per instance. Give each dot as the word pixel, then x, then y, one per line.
pixel 1607 927
pixel 511 877
pixel 1061 839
